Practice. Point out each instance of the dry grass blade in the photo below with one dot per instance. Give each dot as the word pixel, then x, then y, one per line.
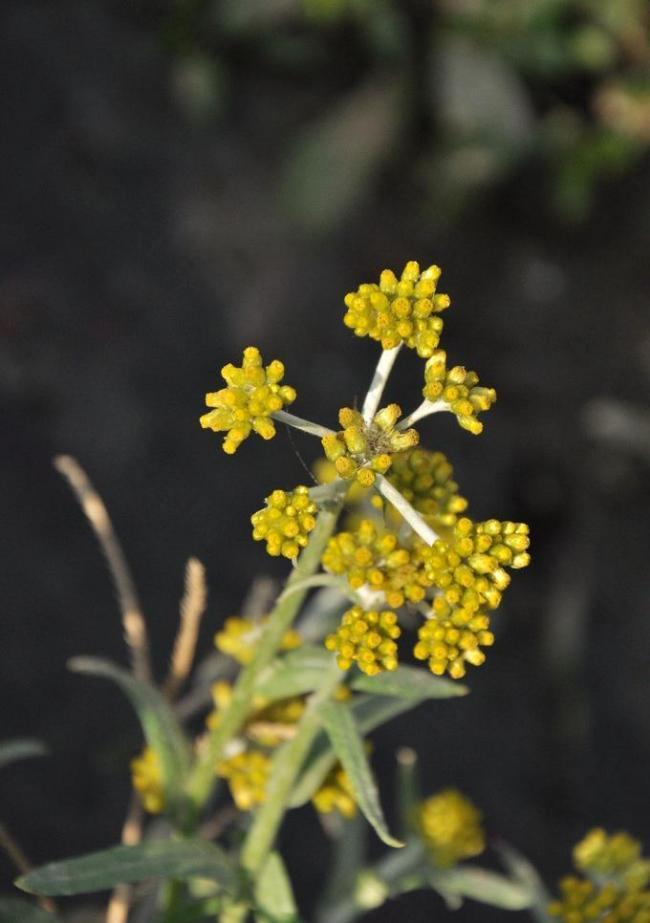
pixel 191 611
pixel 135 629
pixel 120 902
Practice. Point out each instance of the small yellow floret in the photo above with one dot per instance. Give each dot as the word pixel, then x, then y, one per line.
pixel 239 636
pixel 335 794
pixel 360 450
pixel 146 777
pixel 451 827
pixel 404 310
pixel 425 479
pixel 247 774
pixel 458 389
pixel 252 395
pixel 285 522
pixel 366 638
pixel 452 638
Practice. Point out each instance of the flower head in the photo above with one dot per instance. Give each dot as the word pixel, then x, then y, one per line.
pixel 285 522
pixel 361 449
pixel 366 638
pixel 425 479
pixel 247 774
pixel 146 777
pixel 451 827
pixel 452 638
pixel 252 395
pixel 606 855
pixel 396 311
pixel 239 637
pixel 375 559
pixel 458 389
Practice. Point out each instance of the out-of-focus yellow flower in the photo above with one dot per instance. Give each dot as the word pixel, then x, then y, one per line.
pixel 285 522
pixel 373 558
pixel 247 774
pixel 366 638
pixel 425 479
pixel 606 855
pixel 335 794
pixel 458 389
pixel 252 394
pixel 583 901
pixel 361 450
pixel 239 636
pixel 404 310
pixel 146 777
pixel 451 827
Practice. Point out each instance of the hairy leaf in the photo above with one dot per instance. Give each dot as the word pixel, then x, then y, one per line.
pixel 100 871
pixel 296 673
pixel 274 898
pixel 409 683
pixel 484 886
pixel 348 747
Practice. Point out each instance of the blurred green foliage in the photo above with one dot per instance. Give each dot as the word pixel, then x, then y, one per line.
pixel 452 96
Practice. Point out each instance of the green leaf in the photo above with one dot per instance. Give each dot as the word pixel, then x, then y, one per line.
pixel 101 871
pixel 409 683
pixel 527 875
pixel 370 712
pixel 13 910
pixel 482 885
pixel 296 673
pixel 161 729
pixel 273 894
pixel 348 747
pixel 20 749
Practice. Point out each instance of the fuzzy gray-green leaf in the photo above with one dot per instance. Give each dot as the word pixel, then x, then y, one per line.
pixel 409 683
pixel 101 871
pixel 483 886
pixel 273 894
pixel 348 747
pixel 296 673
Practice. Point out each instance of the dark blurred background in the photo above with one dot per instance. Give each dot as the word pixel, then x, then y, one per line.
pixel 182 178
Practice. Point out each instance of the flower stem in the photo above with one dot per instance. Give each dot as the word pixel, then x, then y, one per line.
pixel 378 383
pixel 284 771
pixel 405 509
pixel 314 429
pixel 425 409
pixel 285 610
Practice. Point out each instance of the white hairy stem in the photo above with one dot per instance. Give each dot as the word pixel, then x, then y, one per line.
pixel 425 409
pixel 314 429
pixel 405 509
pixel 378 383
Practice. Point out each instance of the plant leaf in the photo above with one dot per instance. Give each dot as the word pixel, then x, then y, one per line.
pixel 100 871
pixel 20 749
pixel 482 885
pixel 14 910
pixel 160 727
pixel 296 673
pixel 409 683
pixel 273 894
pixel 348 747
pixel 370 712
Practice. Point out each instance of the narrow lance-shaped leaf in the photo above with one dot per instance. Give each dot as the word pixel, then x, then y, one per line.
pixel 159 724
pixel 409 683
pixel 295 673
pixel 369 712
pixel 348 747
pixel 20 749
pixel 274 898
pixel 100 871
pixel 484 886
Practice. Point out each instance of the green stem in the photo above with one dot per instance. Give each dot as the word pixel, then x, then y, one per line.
pixel 280 620
pixel 286 765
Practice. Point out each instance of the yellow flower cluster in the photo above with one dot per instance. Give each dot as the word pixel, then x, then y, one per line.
pixel 239 636
pixel 425 479
pixel 451 827
pixel 247 774
pixel 285 522
pixel 366 638
pixel 616 890
pixel 360 450
pixel 373 558
pixel 451 638
pixel 396 311
pixel 584 901
pixel 146 778
pixel 252 395
pixel 335 794
pixel 458 389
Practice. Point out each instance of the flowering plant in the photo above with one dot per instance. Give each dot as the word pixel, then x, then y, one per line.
pixel 387 568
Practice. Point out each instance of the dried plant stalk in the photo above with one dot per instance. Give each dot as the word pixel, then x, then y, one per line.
pixel 135 629
pixel 191 611
pixel 120 902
